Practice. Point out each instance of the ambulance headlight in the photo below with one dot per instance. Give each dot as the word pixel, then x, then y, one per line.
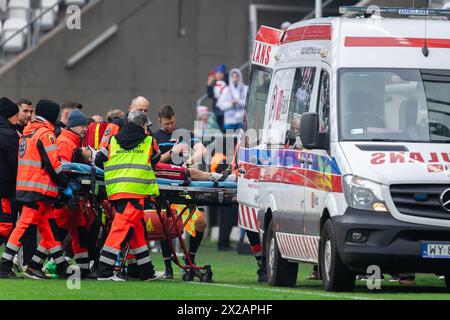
pixel 363 194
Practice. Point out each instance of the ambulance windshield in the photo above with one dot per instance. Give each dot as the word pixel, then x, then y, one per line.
pixel 394 105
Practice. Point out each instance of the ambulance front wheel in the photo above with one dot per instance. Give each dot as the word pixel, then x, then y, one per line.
pixel 334 273
pixel 280 272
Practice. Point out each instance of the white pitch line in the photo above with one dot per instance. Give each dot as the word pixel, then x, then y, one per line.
pixel 285 291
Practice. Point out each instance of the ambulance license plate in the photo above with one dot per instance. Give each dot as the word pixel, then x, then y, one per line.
pixel 435 250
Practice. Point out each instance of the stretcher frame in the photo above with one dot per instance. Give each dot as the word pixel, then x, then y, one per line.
pixel 191 197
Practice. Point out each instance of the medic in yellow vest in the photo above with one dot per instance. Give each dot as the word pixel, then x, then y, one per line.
pixel 129 179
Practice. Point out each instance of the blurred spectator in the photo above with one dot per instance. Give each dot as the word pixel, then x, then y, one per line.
pixel 232 101
pixel 66 110
pixel 285 25
pixel 114 115
pixel 97 118
pixel 72 105
pixel 217 81
pixel 26 112
pixel 206 122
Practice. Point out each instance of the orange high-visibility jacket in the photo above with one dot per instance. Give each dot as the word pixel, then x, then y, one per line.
pixel 111 130
pixel 67 142
pixel 32 177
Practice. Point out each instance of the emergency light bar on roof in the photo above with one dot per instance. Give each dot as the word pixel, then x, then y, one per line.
pixel 421 12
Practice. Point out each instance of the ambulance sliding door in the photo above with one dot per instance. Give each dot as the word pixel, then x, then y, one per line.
pixel 282 174
pixel 248 181
pixel 320 166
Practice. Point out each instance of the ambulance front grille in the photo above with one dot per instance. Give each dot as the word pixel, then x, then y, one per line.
pixel 420 200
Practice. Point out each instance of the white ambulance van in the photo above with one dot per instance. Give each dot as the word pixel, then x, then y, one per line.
pixel 350 166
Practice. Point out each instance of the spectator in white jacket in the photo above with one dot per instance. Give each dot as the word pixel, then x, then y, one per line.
pixel 232 101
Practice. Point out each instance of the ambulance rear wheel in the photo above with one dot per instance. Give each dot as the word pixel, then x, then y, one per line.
pixel 334 273
pixel 280 272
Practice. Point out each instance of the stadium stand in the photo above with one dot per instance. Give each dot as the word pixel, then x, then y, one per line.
pixel 24 22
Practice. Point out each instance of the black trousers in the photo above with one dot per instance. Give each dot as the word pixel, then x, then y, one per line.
pixel 228 218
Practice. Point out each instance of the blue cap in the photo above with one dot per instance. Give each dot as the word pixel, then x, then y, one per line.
pixel 76 118
pixel 221 68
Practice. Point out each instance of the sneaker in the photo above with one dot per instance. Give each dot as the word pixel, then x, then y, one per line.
pixel 361 277
pixel 35 274
pixel 17 266
pixel 114 278
pixel 407 282
pixel 151 278
pixel 168 275
pixel 50 267
pixel 262 275
pixel 9 275
pixel 394 278
pixel 90 275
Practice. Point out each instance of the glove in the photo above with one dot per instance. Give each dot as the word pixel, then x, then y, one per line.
pixel 68 192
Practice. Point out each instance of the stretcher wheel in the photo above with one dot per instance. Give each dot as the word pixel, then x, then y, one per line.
pixel 73 203
pixel 206 278
pixel 188 276
pixel 207 275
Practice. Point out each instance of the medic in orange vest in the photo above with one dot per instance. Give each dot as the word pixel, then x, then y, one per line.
pixel 73 221
pixel 40 173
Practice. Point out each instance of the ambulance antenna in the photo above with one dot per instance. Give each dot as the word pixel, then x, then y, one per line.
pixel 425 50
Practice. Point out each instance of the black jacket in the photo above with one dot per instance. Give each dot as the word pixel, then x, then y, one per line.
pixel 9 148
pixel 19 128
pixel 129 138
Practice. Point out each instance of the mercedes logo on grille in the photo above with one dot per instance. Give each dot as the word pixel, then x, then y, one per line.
pixel 445 200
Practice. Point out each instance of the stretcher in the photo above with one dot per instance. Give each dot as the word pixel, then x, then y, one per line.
pixel 88 184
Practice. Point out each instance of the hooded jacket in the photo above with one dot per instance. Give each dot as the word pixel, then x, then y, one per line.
pixel 233 114
pixel 9 146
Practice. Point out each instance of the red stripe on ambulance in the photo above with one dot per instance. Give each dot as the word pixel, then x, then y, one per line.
pixel 396 42
pixel 314 32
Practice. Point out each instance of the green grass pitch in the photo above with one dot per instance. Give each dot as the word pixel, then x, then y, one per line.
pixel 234 279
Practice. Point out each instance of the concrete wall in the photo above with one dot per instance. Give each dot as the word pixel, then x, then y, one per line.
pixel 146 57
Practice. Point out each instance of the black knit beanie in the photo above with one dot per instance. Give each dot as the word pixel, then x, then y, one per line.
pixel 8 108
pixel 48 110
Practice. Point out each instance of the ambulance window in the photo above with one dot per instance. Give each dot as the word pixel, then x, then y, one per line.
pixel 257 98
pixel 408 105
pixel 301 98
pixel 324 102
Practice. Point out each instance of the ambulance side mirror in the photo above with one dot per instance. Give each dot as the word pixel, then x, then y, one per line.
pixel 309 132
